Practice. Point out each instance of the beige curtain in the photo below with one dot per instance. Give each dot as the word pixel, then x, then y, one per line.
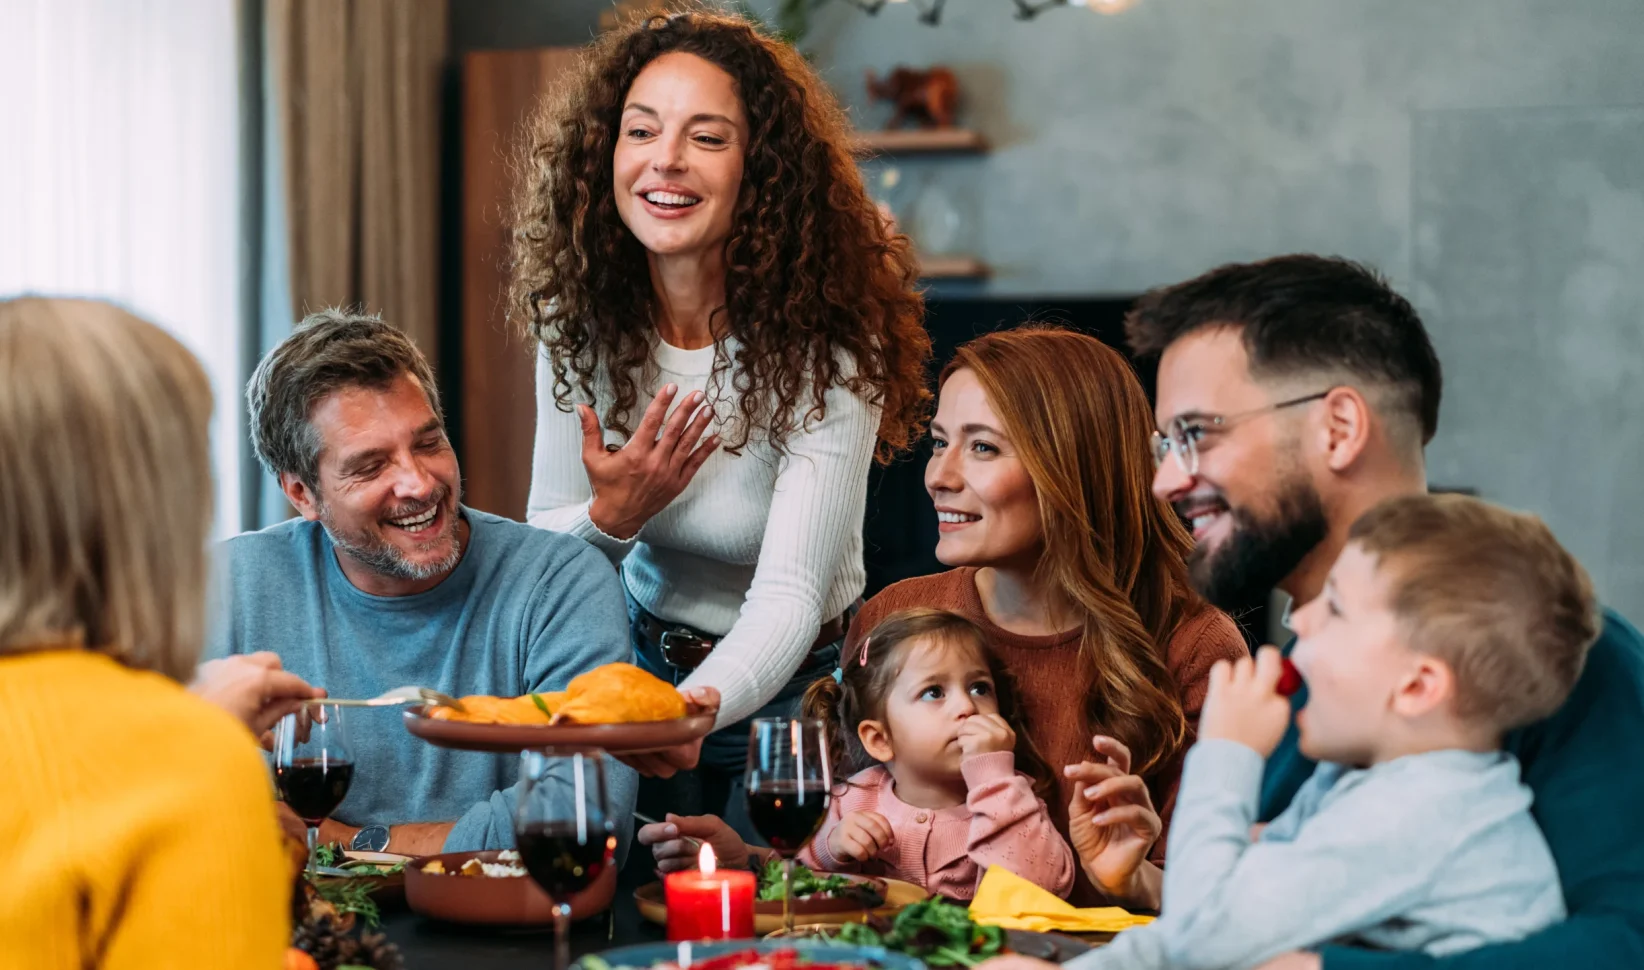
pixel 356 98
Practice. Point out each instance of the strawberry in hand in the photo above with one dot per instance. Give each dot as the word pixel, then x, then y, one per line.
pixel 1290 679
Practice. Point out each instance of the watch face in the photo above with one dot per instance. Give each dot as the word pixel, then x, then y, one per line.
pixel 372 838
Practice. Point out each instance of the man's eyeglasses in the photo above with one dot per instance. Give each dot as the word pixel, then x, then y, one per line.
pixel 1186 432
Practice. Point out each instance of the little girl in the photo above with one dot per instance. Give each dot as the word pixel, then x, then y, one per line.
pixel 925 711
pixel 922 720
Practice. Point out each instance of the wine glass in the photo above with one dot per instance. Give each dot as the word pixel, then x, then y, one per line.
pixel 563 830
pixel 312 766
pixel 789 784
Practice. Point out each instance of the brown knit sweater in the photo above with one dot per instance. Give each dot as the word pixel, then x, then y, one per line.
pixel 1053 687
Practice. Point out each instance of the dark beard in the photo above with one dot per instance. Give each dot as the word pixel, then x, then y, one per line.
pixel 1260 554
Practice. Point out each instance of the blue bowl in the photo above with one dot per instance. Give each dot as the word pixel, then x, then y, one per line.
pixel 643 955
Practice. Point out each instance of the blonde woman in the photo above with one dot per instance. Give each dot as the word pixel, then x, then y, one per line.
pixel 118 782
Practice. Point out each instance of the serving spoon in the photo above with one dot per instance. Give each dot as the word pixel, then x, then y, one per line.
pixel 399 695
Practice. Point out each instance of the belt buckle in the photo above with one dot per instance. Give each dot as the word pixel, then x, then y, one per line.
pixel 680 638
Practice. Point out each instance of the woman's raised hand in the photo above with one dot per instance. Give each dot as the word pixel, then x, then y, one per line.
pixel 1112 825
pixel 638 480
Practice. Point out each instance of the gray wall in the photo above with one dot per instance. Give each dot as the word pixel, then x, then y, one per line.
pixel 1487 154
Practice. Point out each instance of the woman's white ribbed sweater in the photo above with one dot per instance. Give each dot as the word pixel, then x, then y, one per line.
pixel 758 549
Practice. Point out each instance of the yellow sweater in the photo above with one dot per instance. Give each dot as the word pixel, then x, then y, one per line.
pixel 137 824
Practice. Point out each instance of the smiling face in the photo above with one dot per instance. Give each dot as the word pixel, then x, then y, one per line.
pixel 987 509
pixel 1353 652
pixel 388 487
pixel 677 166
pixel 942 683
pixel 1253 507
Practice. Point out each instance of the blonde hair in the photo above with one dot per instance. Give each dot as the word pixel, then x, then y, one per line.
pixel 1492 594
pixel 105 485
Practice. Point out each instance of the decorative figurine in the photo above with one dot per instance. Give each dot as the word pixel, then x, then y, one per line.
pixel 927 97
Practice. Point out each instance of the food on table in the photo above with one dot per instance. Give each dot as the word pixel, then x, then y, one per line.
pixel 507 866
pixel 342 898
pixel 482 709
pixel 1290 679
pixel 330 946
pixel 619 694
pixel 784 959
pixel 808 884
pixel 936 931
pixel 329 923
pixel 616 693
pixel 334 856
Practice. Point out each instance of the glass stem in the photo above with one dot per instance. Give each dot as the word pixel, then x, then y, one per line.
pixel 313 850
pixel 787 894
pixel 562 935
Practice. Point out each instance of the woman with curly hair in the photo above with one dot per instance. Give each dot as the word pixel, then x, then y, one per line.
pixel 729 334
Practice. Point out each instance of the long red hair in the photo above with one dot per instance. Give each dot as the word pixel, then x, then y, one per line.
pixel 1081 426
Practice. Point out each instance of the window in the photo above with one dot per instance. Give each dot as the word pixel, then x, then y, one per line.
pixel 119 175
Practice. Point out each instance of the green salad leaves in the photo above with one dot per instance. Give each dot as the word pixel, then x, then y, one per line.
pixel 936 931
pixel 805 882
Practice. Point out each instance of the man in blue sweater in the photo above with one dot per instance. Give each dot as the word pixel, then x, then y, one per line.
pixel 387 580
pixel 1295 394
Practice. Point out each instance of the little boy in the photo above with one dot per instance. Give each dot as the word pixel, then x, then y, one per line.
pixel 1445 623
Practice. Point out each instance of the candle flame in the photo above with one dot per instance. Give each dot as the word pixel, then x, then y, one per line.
pixel 706 861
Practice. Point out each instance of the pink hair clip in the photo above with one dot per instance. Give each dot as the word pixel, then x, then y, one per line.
pixel 862 661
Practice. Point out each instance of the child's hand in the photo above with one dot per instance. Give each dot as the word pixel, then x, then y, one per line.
pixel 1112 824
pixel 677 842
pixel 985 734
pixel 1244 704
pixel 861 836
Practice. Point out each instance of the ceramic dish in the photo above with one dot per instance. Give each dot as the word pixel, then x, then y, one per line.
pixel 493 900
pixel 632 738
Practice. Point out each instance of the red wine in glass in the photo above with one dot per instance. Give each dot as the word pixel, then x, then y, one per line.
pixel 787 814
pixel 563 830
pixel 561 859
pixel 313 787
pixel 789 783
pixel 312 766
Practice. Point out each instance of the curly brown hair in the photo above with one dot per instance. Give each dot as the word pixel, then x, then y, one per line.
pixel 817 287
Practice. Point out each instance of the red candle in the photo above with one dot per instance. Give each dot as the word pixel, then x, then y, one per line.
pixel 710 905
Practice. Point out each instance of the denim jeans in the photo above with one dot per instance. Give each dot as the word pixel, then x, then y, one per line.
pixel 715 786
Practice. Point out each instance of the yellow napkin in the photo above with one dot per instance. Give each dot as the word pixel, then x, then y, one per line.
pixel 1006 900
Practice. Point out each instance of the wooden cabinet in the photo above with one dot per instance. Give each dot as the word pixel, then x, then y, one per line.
pixel 500 90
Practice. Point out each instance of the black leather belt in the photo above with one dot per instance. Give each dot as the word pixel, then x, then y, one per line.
pixel 686 648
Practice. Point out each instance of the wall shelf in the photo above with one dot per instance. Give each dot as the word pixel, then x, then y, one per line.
pixel 908 141
pixel 952 268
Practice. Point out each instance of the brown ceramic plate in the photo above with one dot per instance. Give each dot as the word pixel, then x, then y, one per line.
pixel 493 900
pixel 808 906
pixel 768 916
pixel 635 738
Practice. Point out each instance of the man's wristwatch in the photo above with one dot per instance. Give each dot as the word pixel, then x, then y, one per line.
pixel 372 838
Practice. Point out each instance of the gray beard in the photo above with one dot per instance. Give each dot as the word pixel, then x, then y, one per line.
pixel 1260 554
pixel 383 558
